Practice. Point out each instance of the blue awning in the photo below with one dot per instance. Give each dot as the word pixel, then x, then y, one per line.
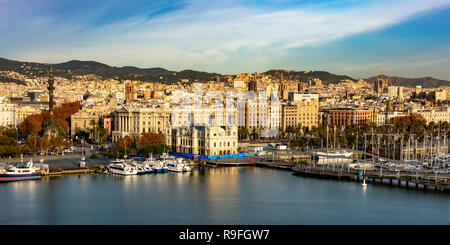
pixel 188 155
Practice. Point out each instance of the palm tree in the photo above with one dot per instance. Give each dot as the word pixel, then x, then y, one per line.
pixel 94 130
pixel 243 132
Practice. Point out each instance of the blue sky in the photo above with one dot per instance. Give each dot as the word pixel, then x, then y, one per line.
pixel 340 36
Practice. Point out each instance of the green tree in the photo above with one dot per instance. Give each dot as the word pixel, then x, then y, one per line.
pixel 9 131
pixel 243 133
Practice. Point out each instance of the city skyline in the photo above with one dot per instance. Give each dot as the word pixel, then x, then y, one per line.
pixel 173 113
pixel 342 37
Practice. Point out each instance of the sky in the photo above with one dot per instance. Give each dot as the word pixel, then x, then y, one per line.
pixel 410 38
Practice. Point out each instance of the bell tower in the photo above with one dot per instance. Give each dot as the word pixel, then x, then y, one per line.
pixel 130 93
pixel 284 88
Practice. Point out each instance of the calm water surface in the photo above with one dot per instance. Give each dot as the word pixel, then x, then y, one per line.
pixel 234 195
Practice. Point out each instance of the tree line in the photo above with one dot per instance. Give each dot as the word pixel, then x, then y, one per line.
pixel 409 127
pixel 32 129
pixel 144 145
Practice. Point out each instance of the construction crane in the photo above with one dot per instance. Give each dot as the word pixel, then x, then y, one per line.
pixel 382 69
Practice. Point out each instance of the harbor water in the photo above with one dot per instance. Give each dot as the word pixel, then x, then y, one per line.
pixel 224 195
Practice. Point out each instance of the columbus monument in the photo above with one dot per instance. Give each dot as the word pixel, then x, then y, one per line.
pixel 51 130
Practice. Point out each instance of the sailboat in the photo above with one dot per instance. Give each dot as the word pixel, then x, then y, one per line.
pixel 364 184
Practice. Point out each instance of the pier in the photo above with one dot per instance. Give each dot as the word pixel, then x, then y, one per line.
pixel 250 161
pixel 438 181
pixel 280 165
pixel 380 172
pixel 60 171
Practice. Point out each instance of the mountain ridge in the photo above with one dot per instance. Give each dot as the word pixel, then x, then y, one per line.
pixel 78 67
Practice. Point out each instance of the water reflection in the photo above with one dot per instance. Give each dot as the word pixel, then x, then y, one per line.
pixel 232 195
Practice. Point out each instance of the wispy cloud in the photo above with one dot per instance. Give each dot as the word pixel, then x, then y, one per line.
pixel 212 35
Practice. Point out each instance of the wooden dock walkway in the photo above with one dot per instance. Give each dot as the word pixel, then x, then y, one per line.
pixel 435 181
pixel 275 164
pixel 59 171
pixel 256 161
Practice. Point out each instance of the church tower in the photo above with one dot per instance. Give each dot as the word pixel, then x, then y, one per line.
pixel 129 93
pixel 389 81
pixel 284 89
pixel 378 86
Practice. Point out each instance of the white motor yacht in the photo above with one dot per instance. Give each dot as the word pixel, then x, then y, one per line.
pixel 139 168
pixel 175 166
pixel 184 165
pixel 148 169
pixel 122 169
pixel 186 168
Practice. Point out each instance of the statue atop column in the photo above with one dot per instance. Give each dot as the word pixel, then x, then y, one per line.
pixel 51 127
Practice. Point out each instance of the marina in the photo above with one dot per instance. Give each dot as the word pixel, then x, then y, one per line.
pixel 175 190
pixel 225 113
pixel 222 195
pixel 340 164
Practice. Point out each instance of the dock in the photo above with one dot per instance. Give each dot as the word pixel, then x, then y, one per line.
pixel 233 162
pixel 60 171
pixel 438 182
pixel 250 161
pixel 280 165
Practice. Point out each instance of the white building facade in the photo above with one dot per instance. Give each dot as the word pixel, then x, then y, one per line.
pixel 201 140
pixel 8 115
pixel 133 121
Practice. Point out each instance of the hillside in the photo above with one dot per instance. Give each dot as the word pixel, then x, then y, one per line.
pixel 4 79
pixel 76 67
pixel 425 82
pixel 303 76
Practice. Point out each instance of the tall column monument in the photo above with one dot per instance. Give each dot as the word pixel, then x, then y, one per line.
pixel 51 127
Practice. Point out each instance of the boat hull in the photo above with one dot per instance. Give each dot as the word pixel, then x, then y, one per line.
pixel 120 172
pixel 174 169
pixel 18 177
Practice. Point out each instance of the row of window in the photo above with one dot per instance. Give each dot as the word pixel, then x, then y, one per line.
pixel 203 152
pixel 224 144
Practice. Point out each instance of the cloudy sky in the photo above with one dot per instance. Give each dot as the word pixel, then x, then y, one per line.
pixel 340 36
